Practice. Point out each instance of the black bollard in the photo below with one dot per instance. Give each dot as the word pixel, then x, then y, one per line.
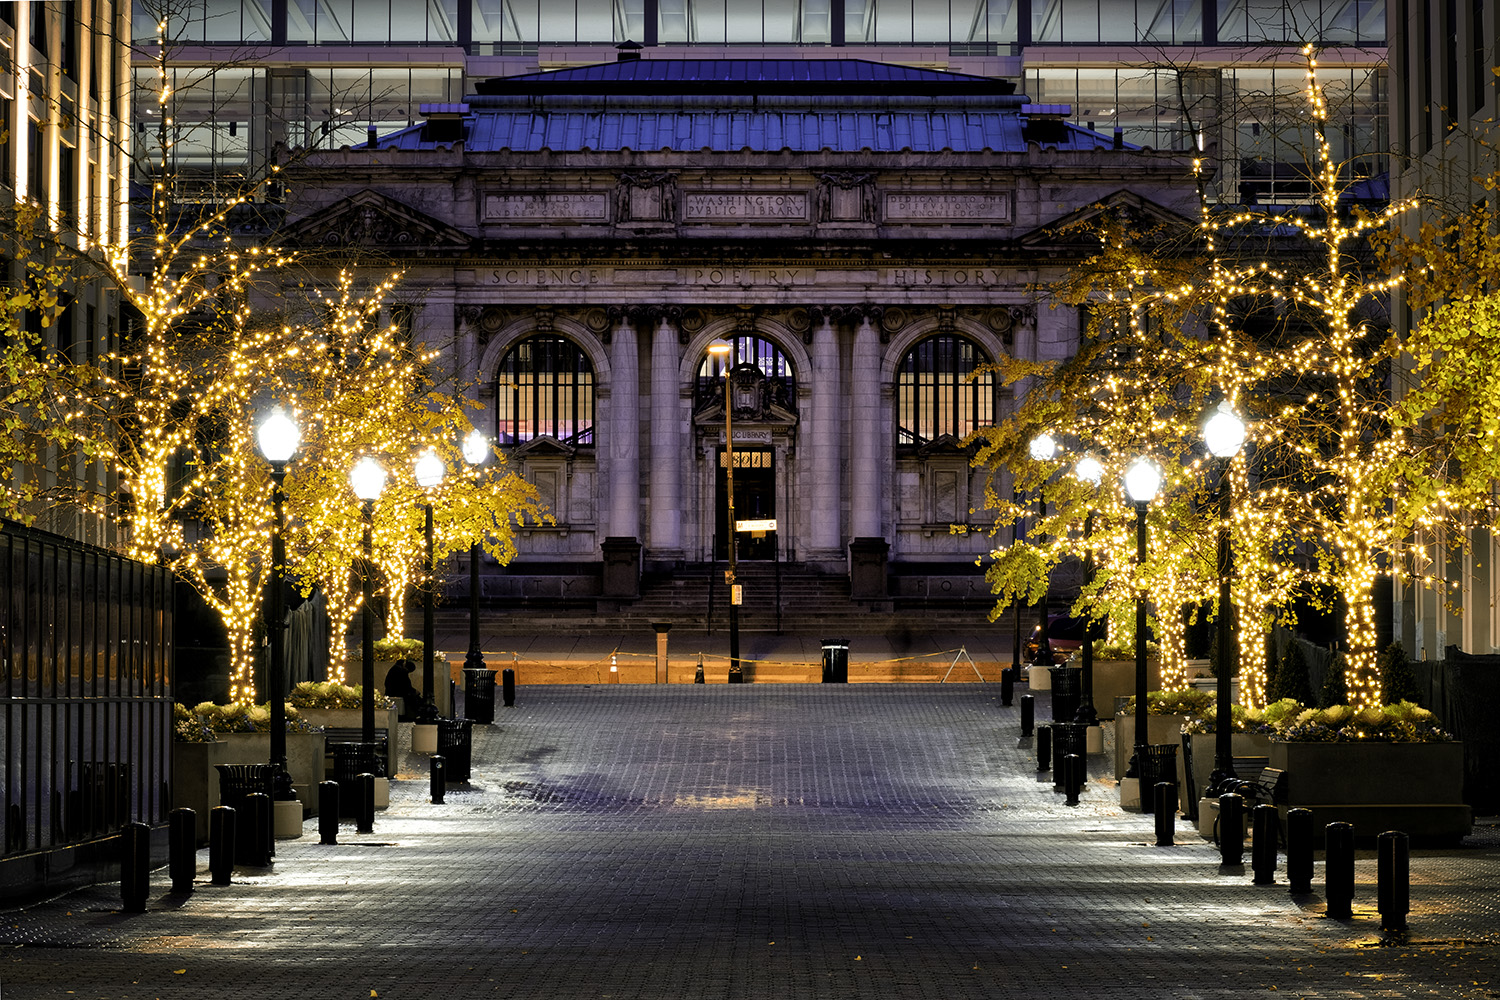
pixel 439 778
pixel 182 848
pixel 257 831
pixel 1165 802
pixel 1231 829
pixel 508 687
pixel 135 866
pixel 328 812
pixel 1007 686
pixel 1338 870
pixel 365 820
pixel 221 824
pixel 1393 879
pixel 1299 850
pixel 1264 824
pixel 1028 714
pixel 1072 769
pixel 1043 749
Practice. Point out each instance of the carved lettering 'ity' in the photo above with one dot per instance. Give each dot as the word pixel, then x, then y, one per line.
pixel 745 207
pixel 945 207
pixel 545 207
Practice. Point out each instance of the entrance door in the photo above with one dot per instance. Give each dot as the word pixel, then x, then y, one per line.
pixel 754 500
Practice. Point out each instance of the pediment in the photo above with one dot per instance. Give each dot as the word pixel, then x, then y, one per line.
pixel 1077 228
pixel 370 218
pixel 544 446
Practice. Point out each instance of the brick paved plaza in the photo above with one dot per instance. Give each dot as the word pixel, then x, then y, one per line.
pixel 758 841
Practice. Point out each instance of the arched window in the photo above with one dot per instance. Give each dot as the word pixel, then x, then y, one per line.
pixel 747 349
pixel 935 395
pixel 546 388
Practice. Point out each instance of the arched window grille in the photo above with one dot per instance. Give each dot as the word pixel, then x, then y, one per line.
pixel 935 395
pixel 546 388
pixel 748 349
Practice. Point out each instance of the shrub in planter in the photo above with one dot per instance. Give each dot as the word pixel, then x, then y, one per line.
pixel 1187 701
pixel 1335 691
pixel 398 649
pixel 1403 722
pixel 1398 682
pixel 1256 721
pixel 332 694
pixel 1291 679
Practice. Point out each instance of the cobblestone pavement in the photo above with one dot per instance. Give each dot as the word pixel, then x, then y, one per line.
pixel 757 841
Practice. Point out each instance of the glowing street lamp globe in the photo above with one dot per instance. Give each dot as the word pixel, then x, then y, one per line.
pixel 277 436
pixel 429 470
pixel 367 478
pixel 476 447
pixel 1224 432
pixel 1142 480
pixel 1090 470
pixel 1044 447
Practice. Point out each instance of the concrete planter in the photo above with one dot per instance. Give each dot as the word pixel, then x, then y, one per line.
pixel 195 782
pixel 1413 787
pixel 1159 729
pixel 1116 679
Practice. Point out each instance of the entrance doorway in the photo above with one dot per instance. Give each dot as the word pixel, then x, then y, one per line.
pixel 754 500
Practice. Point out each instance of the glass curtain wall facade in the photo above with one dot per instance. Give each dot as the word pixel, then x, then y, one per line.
pixel 494 27
pixel 330 73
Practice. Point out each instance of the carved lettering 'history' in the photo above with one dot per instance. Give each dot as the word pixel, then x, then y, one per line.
pixel 938 206
pixel 546 207
pixel 745 207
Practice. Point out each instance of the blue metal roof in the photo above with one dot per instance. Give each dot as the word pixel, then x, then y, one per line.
pixel 763 131
pixel 887 109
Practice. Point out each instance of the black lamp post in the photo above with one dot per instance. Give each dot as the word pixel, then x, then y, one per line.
pixel 1090 471
pixel 368 480
pixel 429 474
pixel 1142 480
pixel 1043 449
pixel 1224 433
pixel 723 349
pixel 476 449
pixel 277 437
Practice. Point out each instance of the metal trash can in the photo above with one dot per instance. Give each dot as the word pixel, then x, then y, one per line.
pixel 236 782
pixel 479 698
pixel 1067 690
pixel 455 744
pixel 1155 763
pixel 835 661
pixel 1069 737
pixel 350 760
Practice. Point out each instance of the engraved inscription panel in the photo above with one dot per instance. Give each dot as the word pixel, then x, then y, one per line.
pixel 546 207
pixel 745 207
pixel 943 206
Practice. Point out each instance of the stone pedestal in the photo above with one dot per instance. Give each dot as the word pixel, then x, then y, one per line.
pixel 867 563
pixel 622 568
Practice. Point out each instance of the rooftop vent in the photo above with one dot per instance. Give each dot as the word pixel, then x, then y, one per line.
pixel 628 51
pixel 1043 123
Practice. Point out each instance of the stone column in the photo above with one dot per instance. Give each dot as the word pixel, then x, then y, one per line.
pixel 666 444
pixel 864 432
pixel 466 349
pixel 624 435
pixel 825 524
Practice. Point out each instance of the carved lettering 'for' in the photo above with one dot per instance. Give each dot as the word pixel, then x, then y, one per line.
pixel 545 206
pixel 739 206
pixel 955 207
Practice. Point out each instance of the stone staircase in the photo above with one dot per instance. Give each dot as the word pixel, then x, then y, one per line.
pixel 696 597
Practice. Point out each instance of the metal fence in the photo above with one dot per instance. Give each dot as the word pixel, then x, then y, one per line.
pixel 85 694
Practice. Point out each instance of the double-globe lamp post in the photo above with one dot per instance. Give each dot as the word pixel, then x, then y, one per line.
pixel 1142 480
pixel 367 479
pixel 722 349
pixel 429 474
pixel 1043 449
pixel 1224 435
pixel 1091 471
pixel 278 436
pixel 476 449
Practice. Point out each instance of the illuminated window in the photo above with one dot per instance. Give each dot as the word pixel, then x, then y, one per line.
pixel 781 380
pixel 935 394
pixel 546 389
